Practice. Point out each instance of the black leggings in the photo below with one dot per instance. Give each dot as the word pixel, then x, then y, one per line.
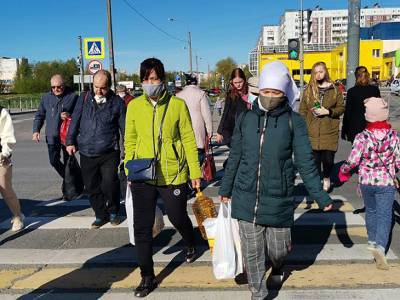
pixel 144 205
pixel 324 159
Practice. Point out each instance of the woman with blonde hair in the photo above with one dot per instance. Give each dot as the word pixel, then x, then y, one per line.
pixel 354 120
pixel 321 107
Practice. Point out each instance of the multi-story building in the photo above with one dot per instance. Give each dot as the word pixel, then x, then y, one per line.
pixel 8 70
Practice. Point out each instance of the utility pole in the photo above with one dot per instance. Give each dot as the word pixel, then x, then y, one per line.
pixel 110 44
pixel 208 76
pixel 197 65
pixel 301 51
pixel 190 51
pixel 81 69
pixel 353 41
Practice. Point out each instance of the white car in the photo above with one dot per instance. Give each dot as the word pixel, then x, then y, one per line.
pixel 395 87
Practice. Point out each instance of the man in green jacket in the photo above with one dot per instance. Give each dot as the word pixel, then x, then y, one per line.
pixel 259 176
pixel 177 162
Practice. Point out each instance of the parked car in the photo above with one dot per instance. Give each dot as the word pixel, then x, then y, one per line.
pixel 395 87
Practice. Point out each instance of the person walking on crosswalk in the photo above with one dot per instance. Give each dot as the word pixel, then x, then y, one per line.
pixel 7 139
pixel 97 123
pixel 321 107
pixel 156 113
pixel 376 153
pixel 259 175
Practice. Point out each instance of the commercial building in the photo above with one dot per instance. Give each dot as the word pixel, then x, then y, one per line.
pixel 8 70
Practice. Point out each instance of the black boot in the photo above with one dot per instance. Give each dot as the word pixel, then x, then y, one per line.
pixel 146 286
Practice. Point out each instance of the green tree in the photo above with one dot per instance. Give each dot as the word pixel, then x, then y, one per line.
pixel 225 67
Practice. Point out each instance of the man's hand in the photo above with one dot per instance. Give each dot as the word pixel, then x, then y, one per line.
pixel 36 137
pixel 224 199
pixel 71 150
pixel 321 111
pixel 220 138
pixel 328 207
pixel 196 183
pixel 64 115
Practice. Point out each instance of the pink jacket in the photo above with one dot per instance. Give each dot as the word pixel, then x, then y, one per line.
pixel 366 148
pixel 199 109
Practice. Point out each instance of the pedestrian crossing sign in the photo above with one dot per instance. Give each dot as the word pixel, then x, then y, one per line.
pixel 94 48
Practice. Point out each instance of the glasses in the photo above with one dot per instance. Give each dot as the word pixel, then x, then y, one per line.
pixel 57 87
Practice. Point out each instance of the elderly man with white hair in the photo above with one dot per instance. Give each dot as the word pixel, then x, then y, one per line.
pixel 259 175
pixel 54 107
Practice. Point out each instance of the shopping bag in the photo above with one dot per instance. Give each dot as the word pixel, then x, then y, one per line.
pixel 238 246
pixel 64 130
pixel 224 258
pixel 209 169
pixel 73 181
pixel 158 220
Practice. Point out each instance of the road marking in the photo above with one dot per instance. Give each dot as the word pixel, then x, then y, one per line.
pixel 127 255
pixel 22 120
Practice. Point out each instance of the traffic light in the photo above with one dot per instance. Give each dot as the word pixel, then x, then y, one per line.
pixel 293 49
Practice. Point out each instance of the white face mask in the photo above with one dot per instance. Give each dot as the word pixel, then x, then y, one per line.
pixel 100 99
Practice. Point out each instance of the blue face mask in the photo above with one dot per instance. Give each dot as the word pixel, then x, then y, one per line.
pixel 252 98
pixel 153 90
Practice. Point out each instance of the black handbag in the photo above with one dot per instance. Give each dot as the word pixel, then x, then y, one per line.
pixel 145 169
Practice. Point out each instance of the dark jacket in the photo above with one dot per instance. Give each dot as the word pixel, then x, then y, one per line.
pixel 95 128
pixel 324 130
pixel 50 109
pixel 266 163
pixel 354 119
pixel 232 109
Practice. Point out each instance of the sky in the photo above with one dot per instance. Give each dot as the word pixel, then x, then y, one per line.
pixel 43 30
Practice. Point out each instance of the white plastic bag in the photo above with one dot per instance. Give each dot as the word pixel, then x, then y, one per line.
pixel 225 257
pixel 238 246
pixel 158 220
pixel 210 225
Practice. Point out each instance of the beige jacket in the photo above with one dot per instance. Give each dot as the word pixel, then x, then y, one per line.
pixel 7 137
pixel 200 113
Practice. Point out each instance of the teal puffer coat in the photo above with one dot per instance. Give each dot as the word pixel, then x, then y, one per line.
pixel 259 175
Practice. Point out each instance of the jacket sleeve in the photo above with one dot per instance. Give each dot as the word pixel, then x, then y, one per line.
pixel 303 110
pixel 206 113
pixel 6 133
pixel 189 142
pixel 71 107
pixel 73 129
pixel 130 133
pixel 305 163
pixel 355 155
pixel 397 153
pixel 377 92
pixel 121 119
pixel 232 164
pixel 347 114
pixel 338 110
pixel 227 108
pixel 40 116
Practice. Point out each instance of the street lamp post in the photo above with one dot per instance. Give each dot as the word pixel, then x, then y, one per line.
pixel 189 41
pixel 301 51
pixel 110 44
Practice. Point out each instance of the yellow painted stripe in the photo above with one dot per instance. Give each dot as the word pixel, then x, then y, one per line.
pixel 7 277
pixel 359 231
pixel 315 276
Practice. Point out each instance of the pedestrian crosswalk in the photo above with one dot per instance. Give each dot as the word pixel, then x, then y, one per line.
pixel 57 241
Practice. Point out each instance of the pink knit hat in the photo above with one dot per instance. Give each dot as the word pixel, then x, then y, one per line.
pixel 376 109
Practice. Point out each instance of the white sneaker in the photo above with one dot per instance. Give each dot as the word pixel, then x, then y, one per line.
pixel 371 246
pixel 326 184
pixel 17 223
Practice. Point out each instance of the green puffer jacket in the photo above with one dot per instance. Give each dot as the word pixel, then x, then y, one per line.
pixel 178 151
pixel 259 175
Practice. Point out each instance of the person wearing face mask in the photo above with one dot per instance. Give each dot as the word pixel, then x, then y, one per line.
pixel 321 108
pixel 235 103
pixel 177 161
pixel 97 123
pixel 123 93
pixel 259 175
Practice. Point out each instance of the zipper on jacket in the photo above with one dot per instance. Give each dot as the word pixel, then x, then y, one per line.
pixel 259 168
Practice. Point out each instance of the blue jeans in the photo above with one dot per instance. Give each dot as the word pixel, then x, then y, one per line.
pixel 378 202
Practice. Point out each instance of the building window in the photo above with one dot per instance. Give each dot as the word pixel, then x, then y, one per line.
pixel 376 52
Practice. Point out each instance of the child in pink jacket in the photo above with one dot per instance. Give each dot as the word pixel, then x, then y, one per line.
pixel 376 151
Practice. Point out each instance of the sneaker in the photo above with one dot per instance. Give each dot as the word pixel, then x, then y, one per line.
pixel 191 254
pixel 17 223
pixel 326 184
pixel 114 220
pixel 277 275
pixel 380 259
pixel 98 223
pixel 146 286
pixel 371 246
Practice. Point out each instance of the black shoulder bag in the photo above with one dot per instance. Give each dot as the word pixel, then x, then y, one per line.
pixel 144 169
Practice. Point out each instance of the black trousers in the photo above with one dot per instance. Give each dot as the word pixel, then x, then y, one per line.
pixel 100 176
pixel 54 151
pixel 144 205
pixel 324 160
